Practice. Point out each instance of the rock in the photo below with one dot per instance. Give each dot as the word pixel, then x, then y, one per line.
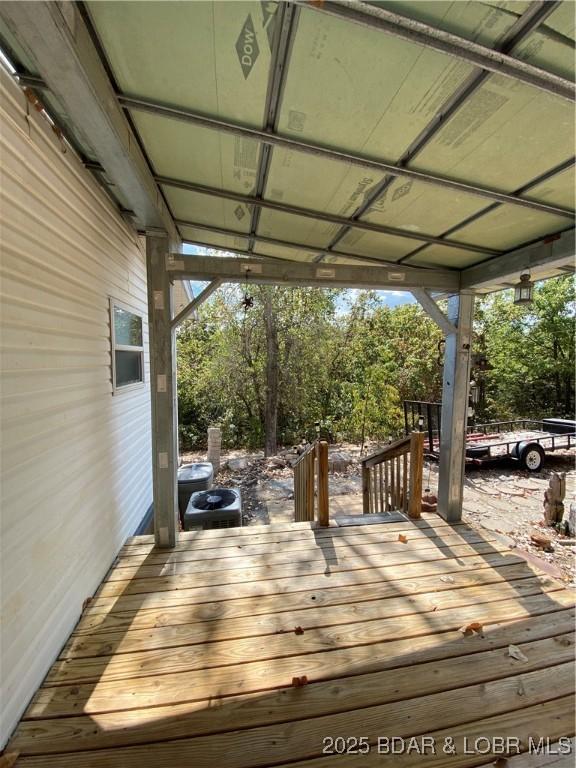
pixel 572 519
pixel 542 542
pixel 553 498
pixel 238 465
pixel 276 462
pixel 339 461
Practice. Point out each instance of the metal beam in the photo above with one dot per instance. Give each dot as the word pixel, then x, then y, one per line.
pixel 555 251
pixel 537 12
pixel 57 40
pixel 363 161
pixel 417 32
pixel 433 310
pixel 235 270
pixel 196 302
pixel 162 392
pixel 285 19
pixel 316 215
pixel 273 241
pixel 455 406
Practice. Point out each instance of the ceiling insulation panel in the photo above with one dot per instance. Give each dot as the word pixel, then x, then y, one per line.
pixel 313 182
pixel 551 47
pixel 440 256
pixel 508 226
pixel 197 235
pixel 504 136
pixel 485 23
pixel 281 252
pixel 213 57
pixel 419 207
pixel 285 226
pixel 386 247
pixel 353 88
pixel 563 21
pixel 558 190
pixel 201 155
pixel 205 209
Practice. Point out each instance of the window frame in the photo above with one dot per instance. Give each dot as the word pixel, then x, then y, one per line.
pixel 118 390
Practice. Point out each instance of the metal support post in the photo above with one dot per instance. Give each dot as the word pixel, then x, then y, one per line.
pixel 162 391
pixel 455 406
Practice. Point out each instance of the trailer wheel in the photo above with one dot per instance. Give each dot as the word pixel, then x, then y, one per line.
pixel 531 456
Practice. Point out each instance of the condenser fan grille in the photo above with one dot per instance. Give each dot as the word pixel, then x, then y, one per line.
pixel 217 499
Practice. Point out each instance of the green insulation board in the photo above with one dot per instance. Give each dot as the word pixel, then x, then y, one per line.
pixel 352 88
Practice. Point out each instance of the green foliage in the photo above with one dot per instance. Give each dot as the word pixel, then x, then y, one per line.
pixel 530 352
pixel 348 361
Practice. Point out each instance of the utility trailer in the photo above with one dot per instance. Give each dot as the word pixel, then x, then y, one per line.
pixel 524 440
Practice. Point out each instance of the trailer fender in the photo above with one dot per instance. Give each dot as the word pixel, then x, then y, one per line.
pixel 530 455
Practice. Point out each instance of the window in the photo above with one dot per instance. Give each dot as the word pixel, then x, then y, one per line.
pixel 127 347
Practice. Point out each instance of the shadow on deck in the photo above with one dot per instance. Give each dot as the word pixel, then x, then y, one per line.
pixel 189 657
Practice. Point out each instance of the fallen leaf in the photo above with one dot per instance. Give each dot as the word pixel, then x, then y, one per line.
pixel 447 579
pixel 86 603
pixel 402 538
pixel 8 759
pixel 516 653
pixel 474 628
pixel 298 631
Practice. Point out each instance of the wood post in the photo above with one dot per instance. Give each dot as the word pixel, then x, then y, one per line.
pixel 323 510
pixel 416 472
pixel 162 392
pixel 365 490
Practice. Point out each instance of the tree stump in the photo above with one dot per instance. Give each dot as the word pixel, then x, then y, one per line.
pixel 554 498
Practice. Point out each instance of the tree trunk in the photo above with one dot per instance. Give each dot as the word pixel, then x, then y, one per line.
pixel 271 408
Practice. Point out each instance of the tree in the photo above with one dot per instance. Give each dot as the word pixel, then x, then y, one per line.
pixel 347 360
pixel 530 352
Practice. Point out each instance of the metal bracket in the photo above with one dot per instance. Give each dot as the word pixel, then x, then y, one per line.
pixel 433 310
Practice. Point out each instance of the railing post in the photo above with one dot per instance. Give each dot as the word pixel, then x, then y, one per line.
pixel 365 490
pixel 309 485
pixel 323 510
pixel 416 472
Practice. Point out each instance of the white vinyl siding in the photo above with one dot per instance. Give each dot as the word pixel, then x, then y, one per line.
pixel 76 460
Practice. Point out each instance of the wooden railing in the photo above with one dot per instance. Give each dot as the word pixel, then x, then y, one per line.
pixel 311 484
pixel 392 477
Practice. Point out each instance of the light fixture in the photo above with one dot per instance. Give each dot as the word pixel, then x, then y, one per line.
pixel 420 423
pixel 523 290
pixel 474 392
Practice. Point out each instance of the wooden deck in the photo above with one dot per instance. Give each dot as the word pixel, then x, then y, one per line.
pixel 189 658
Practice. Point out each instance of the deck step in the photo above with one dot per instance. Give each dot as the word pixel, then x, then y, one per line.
pixel 386 517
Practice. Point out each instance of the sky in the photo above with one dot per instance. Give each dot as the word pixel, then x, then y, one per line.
pixel 389 298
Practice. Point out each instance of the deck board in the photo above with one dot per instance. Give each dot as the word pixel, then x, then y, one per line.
pixel 187 657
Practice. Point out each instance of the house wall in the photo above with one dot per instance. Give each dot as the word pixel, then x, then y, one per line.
pixel 76 459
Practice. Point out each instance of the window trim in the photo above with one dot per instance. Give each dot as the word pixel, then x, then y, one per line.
pixel 119 390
